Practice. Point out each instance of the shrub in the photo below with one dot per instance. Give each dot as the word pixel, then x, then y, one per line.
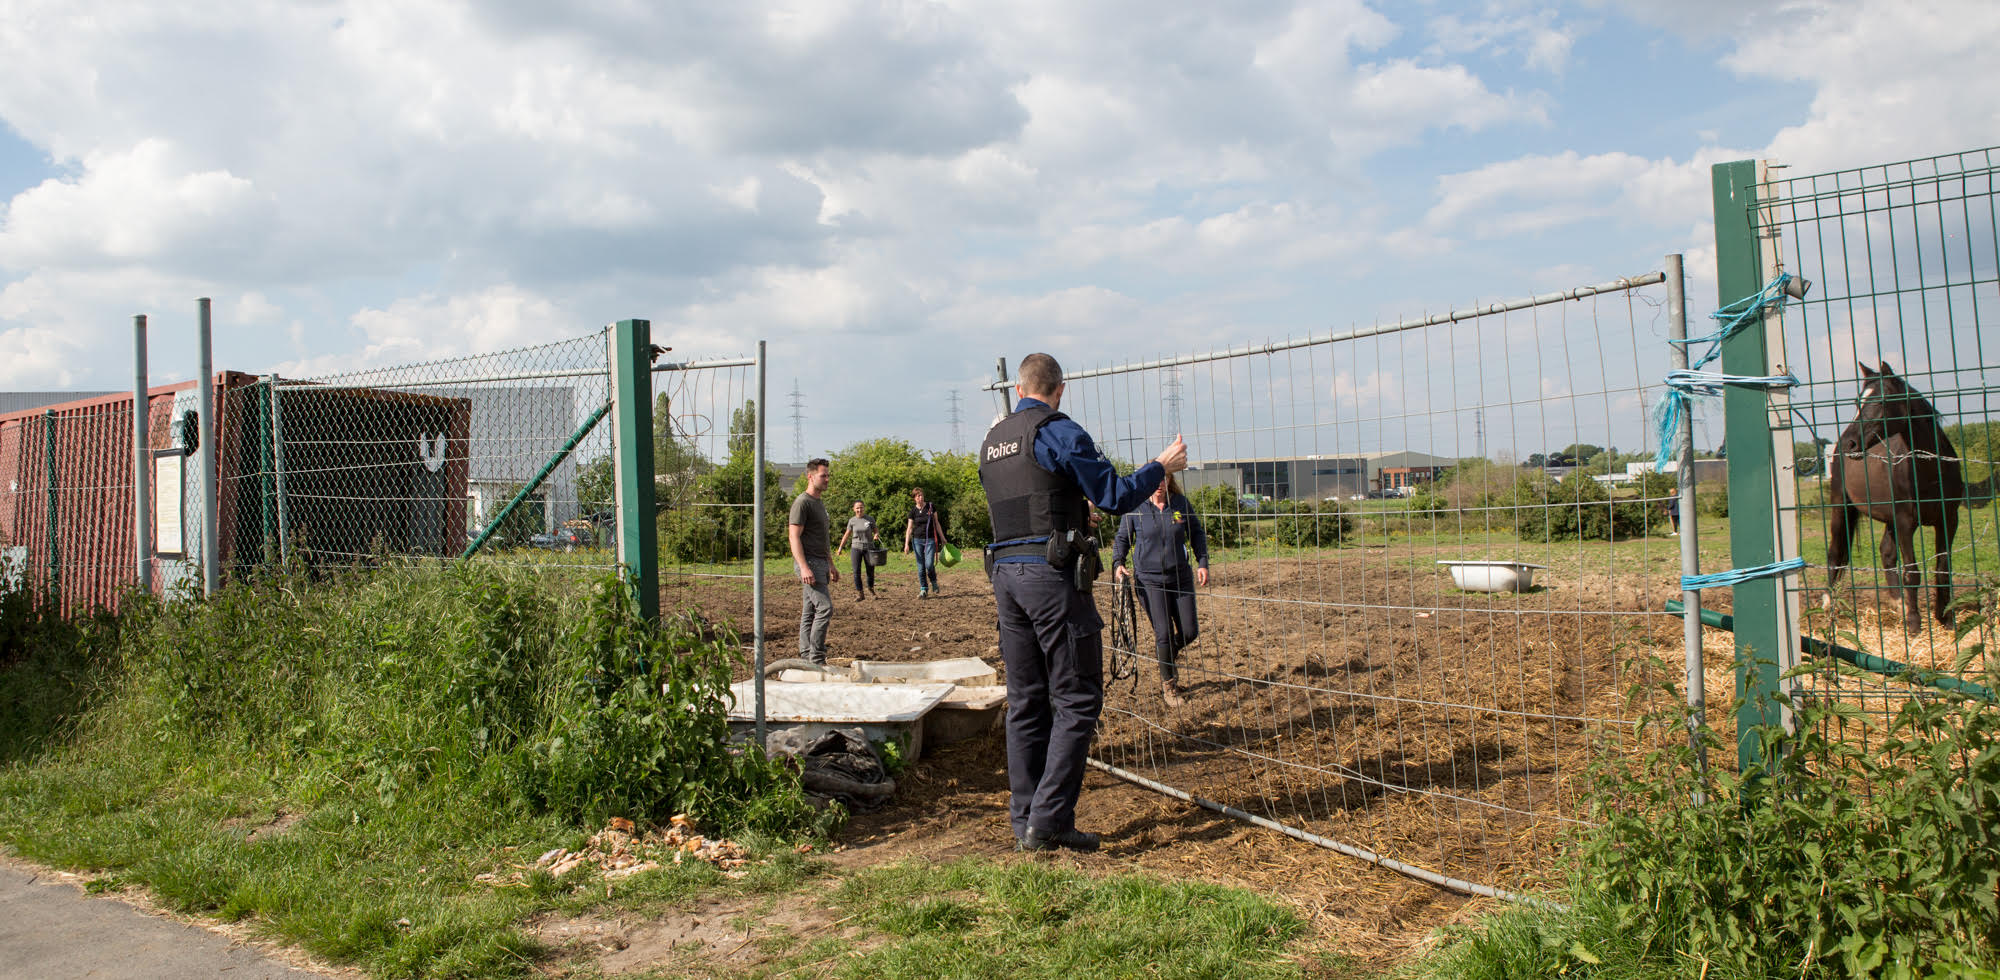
pixel 1578 508
pixel 1311 524
pixel 486 684
pixel 1712 498
pixel 1842 861
pixel 1221 514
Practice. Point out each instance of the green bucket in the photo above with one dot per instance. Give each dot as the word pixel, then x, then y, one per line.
pixel 948 555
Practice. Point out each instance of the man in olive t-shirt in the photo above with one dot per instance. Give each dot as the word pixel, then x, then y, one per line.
pixel 814 563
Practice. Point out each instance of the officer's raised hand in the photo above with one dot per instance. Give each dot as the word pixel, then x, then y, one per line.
pixel 1175 458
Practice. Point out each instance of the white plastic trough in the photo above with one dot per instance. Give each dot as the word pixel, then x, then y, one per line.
pixel 963 671
pixel 1492 576
pixel 884 712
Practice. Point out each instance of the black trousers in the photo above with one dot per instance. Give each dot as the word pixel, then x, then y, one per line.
pixel 860 562
pixel 1051 639
pixel 1169 603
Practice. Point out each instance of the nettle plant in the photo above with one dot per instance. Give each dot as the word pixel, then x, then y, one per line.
pixel 1835 859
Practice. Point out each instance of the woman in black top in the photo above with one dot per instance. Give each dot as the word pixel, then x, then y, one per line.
pixel 1158 535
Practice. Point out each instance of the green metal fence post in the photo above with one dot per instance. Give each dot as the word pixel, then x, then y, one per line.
pixel 1765 638
pixel 632 441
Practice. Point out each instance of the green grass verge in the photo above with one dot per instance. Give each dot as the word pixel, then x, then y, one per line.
pixel 416 722
pixel 1031 919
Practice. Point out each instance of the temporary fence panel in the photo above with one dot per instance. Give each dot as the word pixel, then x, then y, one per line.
pixel 708 427
pixel 1889 437
pixel 1342 687
pixel 722 508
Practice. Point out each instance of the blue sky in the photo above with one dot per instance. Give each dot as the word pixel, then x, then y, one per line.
pixel 892 194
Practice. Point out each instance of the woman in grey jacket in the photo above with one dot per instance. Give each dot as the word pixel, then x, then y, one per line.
pixel 1157 536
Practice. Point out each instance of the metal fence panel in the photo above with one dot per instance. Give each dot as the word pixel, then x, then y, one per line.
pixel 1902 258
pixel 498 457
pixel 1342 688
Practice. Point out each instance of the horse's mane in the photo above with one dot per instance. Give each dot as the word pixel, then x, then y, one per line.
pixel 1902 410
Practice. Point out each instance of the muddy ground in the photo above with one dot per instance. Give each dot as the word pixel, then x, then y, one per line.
pixel 1367 704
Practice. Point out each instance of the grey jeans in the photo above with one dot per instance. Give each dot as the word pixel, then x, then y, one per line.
pixel 816 612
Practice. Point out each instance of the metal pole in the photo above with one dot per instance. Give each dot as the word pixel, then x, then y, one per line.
pixel 535 483
pixel 757 545
pixel 211 534
pixel 1421 874
pixel 1321 340
pixel 1000 390
pixel 1697 688
pixel 142 460
pixel 631 357
pixel 278 472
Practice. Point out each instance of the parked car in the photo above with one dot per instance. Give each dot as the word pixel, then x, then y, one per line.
pixel 565 538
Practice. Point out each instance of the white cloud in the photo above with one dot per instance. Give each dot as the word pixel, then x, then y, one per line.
pixel 137 205
pixel 1535 38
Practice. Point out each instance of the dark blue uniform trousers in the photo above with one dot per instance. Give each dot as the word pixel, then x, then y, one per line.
pixel 1051 639
pixel 1169 599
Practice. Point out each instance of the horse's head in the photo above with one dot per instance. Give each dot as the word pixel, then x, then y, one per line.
pixel 1882 387
pixel 1887 400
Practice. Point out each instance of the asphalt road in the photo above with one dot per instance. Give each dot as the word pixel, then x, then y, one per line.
pixel 53 930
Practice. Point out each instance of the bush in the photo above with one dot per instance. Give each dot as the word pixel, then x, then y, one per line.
pixel 486 683
pixel 1221 513
pixel 1842 861
pixel 1833 861
pixel 1712 498
pixel 714 523
pixel 1578 508
pixel 1312 524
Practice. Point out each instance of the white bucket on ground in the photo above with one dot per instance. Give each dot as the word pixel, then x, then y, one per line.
pixel 1492 576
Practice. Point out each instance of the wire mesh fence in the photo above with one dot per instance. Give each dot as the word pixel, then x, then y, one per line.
pixel 1892 423
pixel 499 457
pixel 1343 684
pixel 707 423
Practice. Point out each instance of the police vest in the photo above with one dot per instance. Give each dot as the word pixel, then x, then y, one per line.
pixel 1025 500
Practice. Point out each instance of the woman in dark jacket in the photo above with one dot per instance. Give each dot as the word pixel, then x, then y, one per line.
pixel 1157 536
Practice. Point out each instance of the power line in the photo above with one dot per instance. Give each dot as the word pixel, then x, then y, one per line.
pixel 959 445
pixel 1172 384
pixel 798 423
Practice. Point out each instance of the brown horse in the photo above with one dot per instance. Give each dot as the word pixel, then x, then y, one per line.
pixel 1895 464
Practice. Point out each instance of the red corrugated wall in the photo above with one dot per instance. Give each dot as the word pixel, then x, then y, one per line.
pixel 90 561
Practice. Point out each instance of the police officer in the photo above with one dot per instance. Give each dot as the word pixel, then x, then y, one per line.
pixel 1041 473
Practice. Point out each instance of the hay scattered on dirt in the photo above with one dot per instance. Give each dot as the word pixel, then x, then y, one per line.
pixel 621 850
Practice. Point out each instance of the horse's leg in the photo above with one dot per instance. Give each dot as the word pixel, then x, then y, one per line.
pixel 1912 571
pixel 1892 571
pixel 1947 528
pixel 1839 538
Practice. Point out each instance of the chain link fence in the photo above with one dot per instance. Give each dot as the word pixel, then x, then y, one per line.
pixel 499 457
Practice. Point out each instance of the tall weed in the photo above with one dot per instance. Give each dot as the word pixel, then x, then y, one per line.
pixel 530 694
pixel 1834 861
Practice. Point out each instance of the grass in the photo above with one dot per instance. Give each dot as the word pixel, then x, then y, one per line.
pixel 422 725
pixel 1031 919
pixel 337 760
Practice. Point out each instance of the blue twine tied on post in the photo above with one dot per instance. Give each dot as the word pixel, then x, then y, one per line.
pixel 1682 385
pixel 1733 317
pixel 1737 576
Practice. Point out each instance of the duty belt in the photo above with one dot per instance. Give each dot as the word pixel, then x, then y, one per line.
pixel 1038 548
